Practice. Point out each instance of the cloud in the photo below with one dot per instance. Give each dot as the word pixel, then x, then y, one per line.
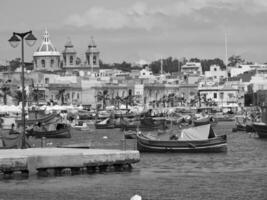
pixel 145 15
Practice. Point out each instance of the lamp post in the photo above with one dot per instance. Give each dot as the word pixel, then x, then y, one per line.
pixel 14 41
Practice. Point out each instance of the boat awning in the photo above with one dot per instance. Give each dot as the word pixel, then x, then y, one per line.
pixel 197 133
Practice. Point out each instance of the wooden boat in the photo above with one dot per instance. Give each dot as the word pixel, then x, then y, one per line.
pixel 195 139
pixel 146 124
pixel 105 124
pixel 129 134
pixel 44 119
pixel 62 131
pixel 261 129
pixel 12 142
pixel 221 117
pixel 204 121
pixel 243 124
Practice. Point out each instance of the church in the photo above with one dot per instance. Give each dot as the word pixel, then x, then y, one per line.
pixel 48 59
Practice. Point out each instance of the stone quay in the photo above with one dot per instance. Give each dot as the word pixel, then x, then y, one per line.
pixel 75 160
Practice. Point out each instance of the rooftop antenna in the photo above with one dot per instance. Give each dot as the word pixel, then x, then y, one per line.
pixel 161 66
pixel 226 53
pixel 226 50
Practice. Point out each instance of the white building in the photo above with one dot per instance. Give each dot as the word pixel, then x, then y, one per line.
pixel 191 68
pixel 215 73
pixel 240 69
pixel 222 95
pixel 259 82
pixel 146 74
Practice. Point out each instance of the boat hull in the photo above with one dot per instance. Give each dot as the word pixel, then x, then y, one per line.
pixel 261 129
pixel 61 133
pixel 218 144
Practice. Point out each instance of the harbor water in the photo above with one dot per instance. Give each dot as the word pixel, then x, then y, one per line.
pixel 240 173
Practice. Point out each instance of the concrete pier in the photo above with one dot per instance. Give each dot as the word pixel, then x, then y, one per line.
pixel 34 160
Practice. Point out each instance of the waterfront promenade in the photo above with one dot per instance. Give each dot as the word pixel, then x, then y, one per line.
pixel 34 160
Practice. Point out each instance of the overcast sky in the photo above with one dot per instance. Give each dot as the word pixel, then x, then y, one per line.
pixel 144 29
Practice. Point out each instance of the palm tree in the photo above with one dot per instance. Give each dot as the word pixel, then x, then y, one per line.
pixel 5 89
pixel 18 96
pixel 117 101
pixel 60 95
pixel 103 96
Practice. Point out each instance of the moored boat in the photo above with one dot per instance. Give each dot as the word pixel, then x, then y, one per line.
pixel 195 139
pixel 205 121
pixel 62 131
pixel 261 129
pixel 46 119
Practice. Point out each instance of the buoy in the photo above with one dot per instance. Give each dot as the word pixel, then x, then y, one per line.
pixel 136 197
pixel 105 137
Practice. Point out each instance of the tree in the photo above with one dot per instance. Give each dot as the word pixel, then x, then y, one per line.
pixel 18 96
pixel 206 63
pixel 5 90
pixel 14 64
pixel 169 65
pixel 129 100
pixel 60 95
pixel 234 60
pixel 103 96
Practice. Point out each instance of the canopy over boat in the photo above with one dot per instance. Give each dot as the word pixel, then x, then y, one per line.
pixel 197 133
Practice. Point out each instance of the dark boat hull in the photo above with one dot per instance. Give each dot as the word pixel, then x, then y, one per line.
pixel 218 144
pixel 61 133
pixel 261 129
pixel 130 135
pixel 104 126
pixel 204 122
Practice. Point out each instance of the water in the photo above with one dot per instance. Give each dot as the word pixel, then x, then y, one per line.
pixel 241 173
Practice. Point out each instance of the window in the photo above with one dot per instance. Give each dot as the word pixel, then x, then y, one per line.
pixel 215 69
pixel 78 95
pixel 52 62
pixel 221 95
pixel 71 60
pixel 46 80
pixel 43 63
pixel 94 60
pixel 215 95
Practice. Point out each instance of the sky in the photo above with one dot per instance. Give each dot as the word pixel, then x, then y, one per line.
pixel 129 30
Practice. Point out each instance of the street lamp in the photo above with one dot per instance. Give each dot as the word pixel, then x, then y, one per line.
pixel 14 41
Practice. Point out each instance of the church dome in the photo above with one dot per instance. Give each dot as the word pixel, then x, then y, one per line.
pixel 69 48
pixel 46 48
pixel 92 47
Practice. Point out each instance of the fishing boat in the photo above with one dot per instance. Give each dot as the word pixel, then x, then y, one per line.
pixel 195 139
pixel 261 129
pixel 224 117
pixel 105 124
pixel 45 119
pixel 61 131
pixel 145 124
pixel 204 121
pixel 81 126
pixel 242 123
pixel 12 142
pixel 129 134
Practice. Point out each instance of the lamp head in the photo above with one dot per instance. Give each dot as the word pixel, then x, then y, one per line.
pixel 30 39
pixel 14 41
